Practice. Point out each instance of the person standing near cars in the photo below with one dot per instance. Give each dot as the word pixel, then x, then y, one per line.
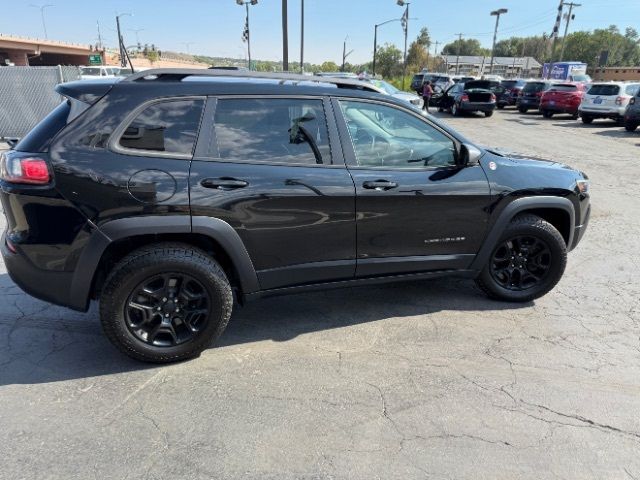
pixel 427 92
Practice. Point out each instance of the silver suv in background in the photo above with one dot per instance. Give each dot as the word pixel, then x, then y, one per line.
pixel 607 100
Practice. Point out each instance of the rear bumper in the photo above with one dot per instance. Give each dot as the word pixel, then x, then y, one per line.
pixel 48 285
pixel 527 102
pixel 572 109
pixel 477 107
pixel 613 113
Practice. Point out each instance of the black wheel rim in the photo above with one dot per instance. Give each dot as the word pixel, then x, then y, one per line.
pixel 167 309
pixel 521 263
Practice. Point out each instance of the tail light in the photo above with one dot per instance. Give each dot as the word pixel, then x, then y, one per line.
pixel 29 170
pixel 493 97
pixel 620 100
pixel 464 98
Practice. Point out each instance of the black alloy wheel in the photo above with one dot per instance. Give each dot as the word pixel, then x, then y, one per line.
pixel 167 309
pixel 521 263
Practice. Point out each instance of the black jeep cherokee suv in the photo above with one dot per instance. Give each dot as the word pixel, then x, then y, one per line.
pixel 171 193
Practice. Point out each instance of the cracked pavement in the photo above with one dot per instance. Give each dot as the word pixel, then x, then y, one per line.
pixel 421 380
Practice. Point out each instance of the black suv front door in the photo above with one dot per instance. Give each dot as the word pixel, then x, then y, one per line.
pixel 269 168
pixel 417 209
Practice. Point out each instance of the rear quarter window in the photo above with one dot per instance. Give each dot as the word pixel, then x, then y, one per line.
pixel 169 126
pixel 604 90
pixel 39 138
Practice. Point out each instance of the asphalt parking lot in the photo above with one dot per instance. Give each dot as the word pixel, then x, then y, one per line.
pixel 421 380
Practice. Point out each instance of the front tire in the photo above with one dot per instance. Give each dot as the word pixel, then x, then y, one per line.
pixel 488 114
pixel 165 303
pixel 523 109
pixel 547 114
pixel 455 110
pixel 587 120
pixel 527 261
pixel 630 127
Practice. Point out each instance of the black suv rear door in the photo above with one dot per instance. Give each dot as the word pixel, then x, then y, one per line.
pixel 269 168
pixel 417 210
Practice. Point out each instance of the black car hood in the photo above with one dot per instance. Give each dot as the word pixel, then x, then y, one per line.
pixel 523 159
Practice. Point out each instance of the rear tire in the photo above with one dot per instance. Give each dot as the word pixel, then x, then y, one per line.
pixel 165 303
pixel 527 261
pixel 500 107
pixel 547 114
pixel 630 127
pixel 523 109
pixel 587 120
pixel 455 110
pixel 488 114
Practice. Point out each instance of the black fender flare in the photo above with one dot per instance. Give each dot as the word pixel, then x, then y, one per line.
pixel 114 230
pixel 511 210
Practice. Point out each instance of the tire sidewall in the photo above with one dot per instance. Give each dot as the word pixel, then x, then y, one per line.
pixel 112 307
pixel 557 249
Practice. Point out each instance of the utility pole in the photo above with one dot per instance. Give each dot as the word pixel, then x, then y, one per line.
pixel 435 51
pixel 122 49
pixel 554 35
pixel 458 55
pixel 405 27
pixel 99 35
pixel 301 36
pixel 566 28
pixel 246 33
pixel 285 37
pixel 345 54
pixel 497 14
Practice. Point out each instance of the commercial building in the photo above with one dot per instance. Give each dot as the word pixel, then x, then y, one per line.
pixel 507 67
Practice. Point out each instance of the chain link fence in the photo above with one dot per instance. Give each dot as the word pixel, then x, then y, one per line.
pixel 27 95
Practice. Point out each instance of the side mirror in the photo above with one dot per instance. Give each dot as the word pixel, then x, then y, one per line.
pixel 469 154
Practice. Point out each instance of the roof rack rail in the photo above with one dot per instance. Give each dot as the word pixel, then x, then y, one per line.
pixel 177 74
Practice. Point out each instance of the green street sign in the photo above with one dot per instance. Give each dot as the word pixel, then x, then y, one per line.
pixel 95 60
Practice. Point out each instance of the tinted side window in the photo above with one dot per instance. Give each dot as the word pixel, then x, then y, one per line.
pixel 272 130
pixel 384 136
pixel 170 127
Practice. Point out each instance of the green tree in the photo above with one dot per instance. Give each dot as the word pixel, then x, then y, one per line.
pixel 152 56
pixel 465 46
pixel 329 67
pixel 418 55
pixel 389 61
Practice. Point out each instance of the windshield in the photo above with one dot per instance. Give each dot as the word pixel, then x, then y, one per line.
pixel 387 87
pixel 90 71
pixel 581 78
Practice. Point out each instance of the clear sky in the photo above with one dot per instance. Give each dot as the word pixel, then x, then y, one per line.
pixel 214 27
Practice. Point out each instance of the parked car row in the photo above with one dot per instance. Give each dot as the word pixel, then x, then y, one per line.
pixel 618 101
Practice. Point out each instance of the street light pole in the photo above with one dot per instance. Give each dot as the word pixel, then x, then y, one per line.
pixel 405 26
pixel 375 41
pixel 345 54
pixel 497 14
pixel 285 36
pixel 458 54
pixel 246 34
pixel 44 25
pixel 301 36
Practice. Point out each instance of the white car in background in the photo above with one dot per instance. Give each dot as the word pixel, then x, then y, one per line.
pixel 607 100
pixel 389 89
pixel 98 71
